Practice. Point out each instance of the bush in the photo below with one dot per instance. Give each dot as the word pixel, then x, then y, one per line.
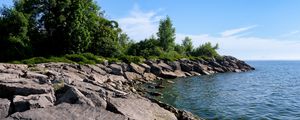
pixel 206 50
pixel 170 56
pixel 134 59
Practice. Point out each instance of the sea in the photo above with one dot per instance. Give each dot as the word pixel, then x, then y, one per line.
pixel 271 92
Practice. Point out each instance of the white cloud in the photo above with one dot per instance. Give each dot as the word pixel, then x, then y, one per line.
pixel 139 24
pixel 236 42
pixel 232 32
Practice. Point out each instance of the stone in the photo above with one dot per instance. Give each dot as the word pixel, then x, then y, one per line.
pixel 155 69
pixel 116 78
pixel 23 103
pixel 74 96
pixel 193 73
pixel 67 111
pixel 147 67
pixel 186 67
pixel 4 108
pixel 7 76
pixel 179 73
pixel 133 76
pixel 116 69
pixel 165 66
pixel 32 75
pixel 136 68
pixel 149 76
pixel 21 86
pixel 104 67
pixel 98 78
pixel 175 65
pixel 71 76
pixel 168 75
pixel 139 108
pixel 97 69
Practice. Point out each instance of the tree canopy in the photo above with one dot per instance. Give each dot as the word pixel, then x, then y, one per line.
pixel 33 28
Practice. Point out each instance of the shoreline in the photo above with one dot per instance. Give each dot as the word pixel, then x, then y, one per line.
pixel 108 91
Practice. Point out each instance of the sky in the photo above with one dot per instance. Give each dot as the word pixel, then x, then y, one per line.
pixel 246 29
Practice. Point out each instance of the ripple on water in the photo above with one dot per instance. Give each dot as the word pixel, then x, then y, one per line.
pixel 271 92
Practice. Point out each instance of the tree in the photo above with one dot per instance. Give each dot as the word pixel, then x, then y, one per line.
pixel 206 50
pixel 166 34
pixel 14 42
pixel 187 45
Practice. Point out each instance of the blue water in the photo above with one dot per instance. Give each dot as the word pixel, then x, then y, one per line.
pixel 271 92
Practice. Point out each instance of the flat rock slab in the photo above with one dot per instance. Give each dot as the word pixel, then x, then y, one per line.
pixel 67 112
pixel 21 86
pixel 139 108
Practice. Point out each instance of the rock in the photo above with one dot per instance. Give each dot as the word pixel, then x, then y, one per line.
pixel 74 96
pixel 97 69
pixel 98 78
pixel 4 108
pixel 32 75
pixel 155 93
pixel 149 76
pixel 179 73
pixel 138 108
pixel 6 76
pixel 67 112
pixel 155 68
pixel 116 78
pixel 193 73
pixel 133 76
pixel 105 68
pixel 186 67
pixel 12 71
pixel 136 68
pixel 165 66
pixel 116 69
pixel 85 68
pixel 23 103
pixel 21 86
pixel 175 65
pixel 169 81
pixel 168 75
pixel 71 76
pixel 98 97
pixel 147 67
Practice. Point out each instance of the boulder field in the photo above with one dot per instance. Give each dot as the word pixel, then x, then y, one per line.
pixel 51 91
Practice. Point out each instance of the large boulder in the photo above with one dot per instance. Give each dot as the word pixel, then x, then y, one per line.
pixel 175 65
pixel 165 66
pixel 132 76
pixel 98 78
pixel 4 108
pixel 33 75
pixel 7 76
pixel 115 78
pixel 147 67
pixel 74 96
pixel 21 86
pixel 23 103
pixel 116 69
pixel 136 68
pixel 67 112
pixel 168 75
pixel 139 108
pixel 149 76
pixel 97 69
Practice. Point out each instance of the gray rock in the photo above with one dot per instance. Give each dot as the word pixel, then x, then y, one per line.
pixel 116 78
pixel 7 76
pixel 165 66
pixel 168 74
pixel 4 108
pixel 67 112
pixel 116 69
pixel 32 75
pixel 74 96
pixel 149 76
pixel 98 78
pixel 147 67
pixel 97 69
pixel 132 76
pixel 139 108
pixel 136 68
pixel 23 87
pixel 23 103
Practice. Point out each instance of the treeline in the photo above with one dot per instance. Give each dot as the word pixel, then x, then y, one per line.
pixel 46 28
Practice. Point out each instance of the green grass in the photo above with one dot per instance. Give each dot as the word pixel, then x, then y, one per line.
pixel 89 58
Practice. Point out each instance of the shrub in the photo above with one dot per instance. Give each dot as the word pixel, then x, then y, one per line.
pixel 79 58
pixel 206 50
pixel 134 59
pixel 170 56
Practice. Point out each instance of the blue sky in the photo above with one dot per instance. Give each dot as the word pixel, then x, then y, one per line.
pixel 247 29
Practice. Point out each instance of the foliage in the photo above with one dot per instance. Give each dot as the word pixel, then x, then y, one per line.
pixel 187 45
pixel 206 50
pixel 134 59
pixel 166 34
pixel 170 56
pixel 145 48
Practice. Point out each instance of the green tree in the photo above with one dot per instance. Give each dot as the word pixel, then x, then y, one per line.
pixel 166 34
pixel 206 50
pixel 188 45
pixel 14 42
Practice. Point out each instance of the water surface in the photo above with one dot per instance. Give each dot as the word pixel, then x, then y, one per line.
pixel 270 92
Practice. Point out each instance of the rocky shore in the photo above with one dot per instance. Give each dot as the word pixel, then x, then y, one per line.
pixel 51 91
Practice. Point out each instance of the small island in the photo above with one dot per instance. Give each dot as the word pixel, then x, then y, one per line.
pixel 65 60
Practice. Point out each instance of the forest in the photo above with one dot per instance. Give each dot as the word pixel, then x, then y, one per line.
pixel 36 31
